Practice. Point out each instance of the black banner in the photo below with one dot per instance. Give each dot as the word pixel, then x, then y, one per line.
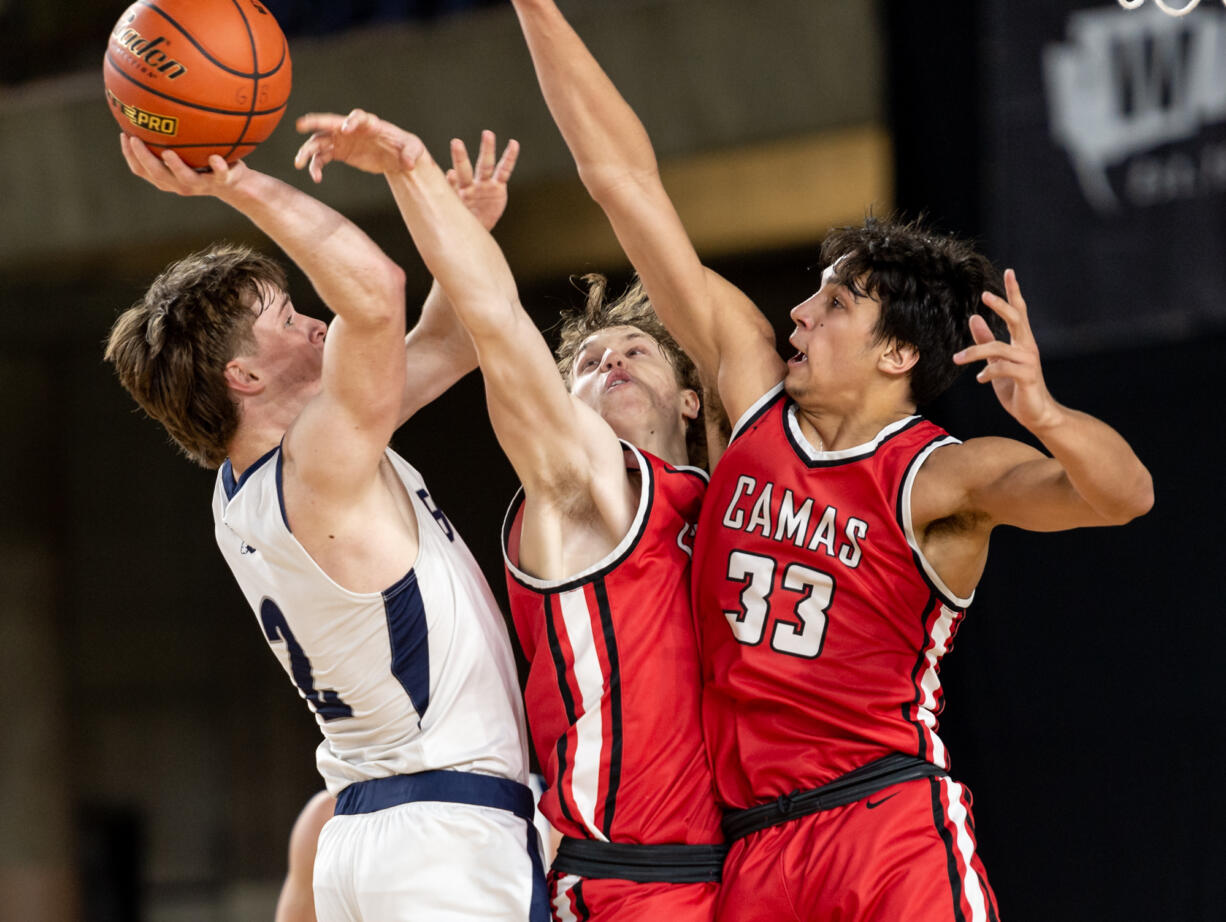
pixel 1104 180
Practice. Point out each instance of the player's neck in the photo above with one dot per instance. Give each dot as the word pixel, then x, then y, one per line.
pixel 263 422
pixel 667 444
pixel 246 448
pixel 830 429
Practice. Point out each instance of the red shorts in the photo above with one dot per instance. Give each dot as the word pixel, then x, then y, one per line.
pixel 575 899
pixel 904 854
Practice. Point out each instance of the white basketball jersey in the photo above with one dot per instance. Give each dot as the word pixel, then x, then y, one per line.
pixel 417 677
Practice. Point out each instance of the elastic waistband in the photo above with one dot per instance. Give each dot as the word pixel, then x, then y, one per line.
pixel 855 785
pixel 643 864
pixel 446 786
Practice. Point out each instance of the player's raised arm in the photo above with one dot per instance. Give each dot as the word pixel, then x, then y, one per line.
pixel 438 350
pixel 549 437
pixel 363 359
pixel 727 337
pixel 1093 477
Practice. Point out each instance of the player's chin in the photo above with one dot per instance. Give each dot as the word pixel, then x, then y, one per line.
pixel 794 382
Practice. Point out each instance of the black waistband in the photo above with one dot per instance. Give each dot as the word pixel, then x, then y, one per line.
pixel 446 786
pixel 855 785
pixel 643 864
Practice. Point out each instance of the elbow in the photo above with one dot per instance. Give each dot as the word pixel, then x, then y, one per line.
pixel 1136 502
pixel 1143 496
pixel 610 185
pixel 384 285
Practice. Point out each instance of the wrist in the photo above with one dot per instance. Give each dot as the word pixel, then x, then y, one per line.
pixel 1050 420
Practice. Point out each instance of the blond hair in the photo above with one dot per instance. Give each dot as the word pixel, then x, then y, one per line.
pixel 631 309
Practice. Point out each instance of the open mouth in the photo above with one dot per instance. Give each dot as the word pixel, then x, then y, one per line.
pixel 616 379
pixel 798 359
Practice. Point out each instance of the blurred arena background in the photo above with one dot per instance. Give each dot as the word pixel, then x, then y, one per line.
pixel 154 755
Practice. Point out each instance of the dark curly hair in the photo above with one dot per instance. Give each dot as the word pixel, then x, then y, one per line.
pixel 632 308
pixel 928 284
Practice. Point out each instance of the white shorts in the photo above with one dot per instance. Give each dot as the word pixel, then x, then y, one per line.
pixel 429 860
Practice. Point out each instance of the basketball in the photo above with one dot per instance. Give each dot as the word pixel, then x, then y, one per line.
pixel 198 77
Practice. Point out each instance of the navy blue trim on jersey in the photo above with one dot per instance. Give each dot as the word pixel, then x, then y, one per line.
pixel 940 593
pixel 803 451
pixel 410 641
pixel 615 705
pixel 951 860
pixel 281 492
pixel 442 786
pixel 538 906
pixel 647 488
pixel 568 702
pixel 232 486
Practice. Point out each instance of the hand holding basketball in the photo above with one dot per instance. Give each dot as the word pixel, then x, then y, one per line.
pixel 169 173
pixel 199 77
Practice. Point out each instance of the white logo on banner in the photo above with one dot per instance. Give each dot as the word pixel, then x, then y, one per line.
pixel 1122 86
pixel 1170 11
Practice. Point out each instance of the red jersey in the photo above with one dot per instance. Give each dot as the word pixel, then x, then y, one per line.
pixel 822 626
pixel 613 696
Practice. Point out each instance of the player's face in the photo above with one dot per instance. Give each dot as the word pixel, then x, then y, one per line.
pixel 289 345
pixel 623 374
pixel 835 342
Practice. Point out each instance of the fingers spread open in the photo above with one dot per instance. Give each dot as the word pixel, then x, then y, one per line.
pixel 460 163
pixel 506 164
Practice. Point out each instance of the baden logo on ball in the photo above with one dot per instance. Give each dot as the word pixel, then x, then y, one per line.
pixel 199 77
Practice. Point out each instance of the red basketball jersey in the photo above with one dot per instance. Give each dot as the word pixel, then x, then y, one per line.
pixel 821 624
pixel 613 696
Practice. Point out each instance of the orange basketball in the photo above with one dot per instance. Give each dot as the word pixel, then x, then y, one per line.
pixel 199 77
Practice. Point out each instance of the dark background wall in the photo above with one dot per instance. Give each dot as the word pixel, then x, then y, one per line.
pixel 157 754
pixel 1085 680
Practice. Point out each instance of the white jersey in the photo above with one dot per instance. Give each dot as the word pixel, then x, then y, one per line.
pixel 414 678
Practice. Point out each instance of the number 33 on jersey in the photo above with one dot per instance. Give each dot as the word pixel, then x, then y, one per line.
pixel 822 625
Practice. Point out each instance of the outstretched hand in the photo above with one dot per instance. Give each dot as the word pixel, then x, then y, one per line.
pixel 360 139
pixel 484 189
pixel 170 174
pixel 1013 368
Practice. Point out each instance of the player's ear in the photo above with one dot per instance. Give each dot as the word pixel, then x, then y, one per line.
pixel 898 358
pixel 690 403
pixel 242 380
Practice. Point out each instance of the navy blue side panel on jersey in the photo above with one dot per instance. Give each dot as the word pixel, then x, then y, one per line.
pixel 410 641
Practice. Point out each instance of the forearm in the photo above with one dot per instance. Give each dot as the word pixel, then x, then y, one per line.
pixel 348 270
pixel 438 353
pixel 611 148
pixel 464 259
pixel 1101 466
